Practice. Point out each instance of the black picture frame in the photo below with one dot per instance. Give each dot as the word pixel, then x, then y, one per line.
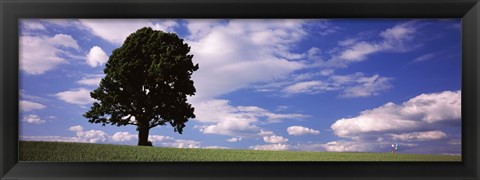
pixel 12 10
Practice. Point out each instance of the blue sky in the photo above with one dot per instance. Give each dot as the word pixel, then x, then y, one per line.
pixel 301 85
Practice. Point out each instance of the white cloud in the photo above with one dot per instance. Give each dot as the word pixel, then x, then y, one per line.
pixel 79 96
pixel 281 108
pixel 399 32
pixel 65 41
pixel 265 133
pixel 64 23
pixel 39 54
pixel 300 130
pixel 308 87
pixel 199 28
pixel 416 113
pixel 158 138
pixel 33 119
pixel 233 54
pixel 116 30
pixel 96 57
pixel 434 107
pixel 345 146
pixel 91 80
pixel 325 27
pixel 50 138
pixel 419 136
pixel 237 53
pixel 123 136
pixel 275 139
pixel 359 51
pixel 424 57
pixel 181 143
pixel 234 139
pixel 98 136
pixel 216 147
pixel 32 24
pixel 239 121
pixel 395 39
pixel 455 142
pixel 231 128
pixel 77 128
pixel 30 106
pixel 367 86
pixel 127 137
pixel 91 136
pixel 353 85
pixel 271 147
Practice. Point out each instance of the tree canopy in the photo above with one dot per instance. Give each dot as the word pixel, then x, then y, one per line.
pixel 146 84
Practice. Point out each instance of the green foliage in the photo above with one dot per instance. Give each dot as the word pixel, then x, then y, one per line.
pixel 57 151
pixel 148 78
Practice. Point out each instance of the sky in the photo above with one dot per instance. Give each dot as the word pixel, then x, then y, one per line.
pixel 336 85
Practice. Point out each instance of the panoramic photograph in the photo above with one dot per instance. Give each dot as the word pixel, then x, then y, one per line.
pixel 173 90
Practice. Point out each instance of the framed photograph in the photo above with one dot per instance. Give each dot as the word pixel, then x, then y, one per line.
pixel 239 89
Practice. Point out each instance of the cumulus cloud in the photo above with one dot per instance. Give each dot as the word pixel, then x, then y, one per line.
pixel 271 147
pixel 39 54
pixel 238 53
pixel 300 130
pixel 116 30
pixel 159 138
pixel 418 125
pixel 64 40
pixel 345 146
pixel 79 96
pixel 415 113
pixel 77 128
pixel 234 139
pixel 96 57
pixel 181 143
pixel 91 136
pixel 419 136
pixel 265 133
pixel 239 121
pixel 30 106
pixel 199 28
pixel 275 139
pixel 123 136
pixel 33 119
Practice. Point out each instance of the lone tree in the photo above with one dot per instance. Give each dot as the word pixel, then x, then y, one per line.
pixel 146 84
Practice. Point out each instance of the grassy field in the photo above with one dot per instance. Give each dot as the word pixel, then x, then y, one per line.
pixel 61 151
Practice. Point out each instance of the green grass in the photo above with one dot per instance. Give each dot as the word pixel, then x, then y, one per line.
pixel 62 151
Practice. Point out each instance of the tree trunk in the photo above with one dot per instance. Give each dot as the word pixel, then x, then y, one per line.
pixel 143 136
